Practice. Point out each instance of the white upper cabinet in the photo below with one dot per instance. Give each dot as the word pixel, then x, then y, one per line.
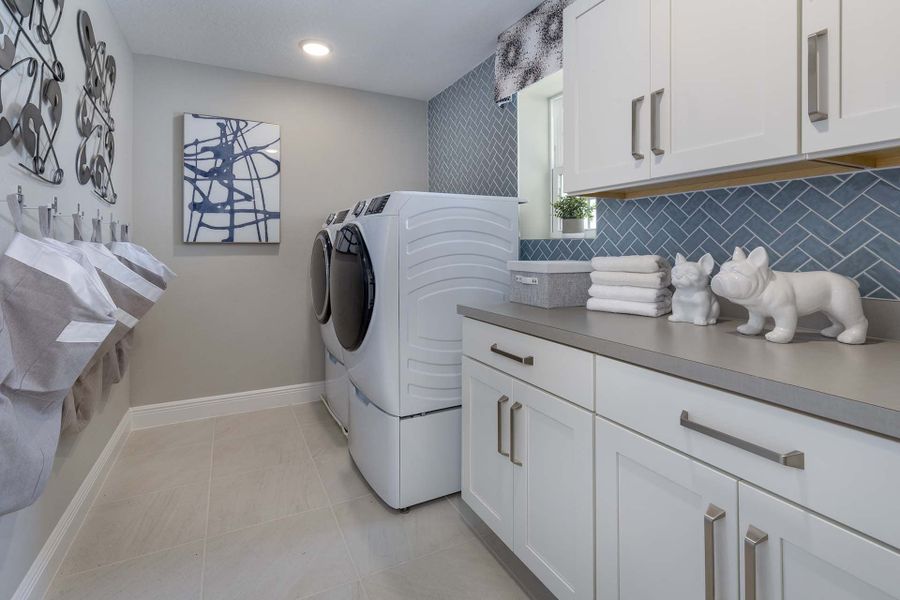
pixel 723 83
pixel 605 93
pixel 851 73
pixel 789 553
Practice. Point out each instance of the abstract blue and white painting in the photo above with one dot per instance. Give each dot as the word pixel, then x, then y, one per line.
pixel 232 170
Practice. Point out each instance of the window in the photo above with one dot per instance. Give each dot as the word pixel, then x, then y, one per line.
pixel 555 106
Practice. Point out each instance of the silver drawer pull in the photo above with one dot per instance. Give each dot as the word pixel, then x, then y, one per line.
pixel 816 76
pixel 500 402
pixel 525 360
pixel 655 101
pixel 794 458
pixel 635 142
pixel 754 538
pixel 512 433
pixel 713 514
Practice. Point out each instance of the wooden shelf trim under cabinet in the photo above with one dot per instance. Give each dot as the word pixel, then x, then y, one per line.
pixel 797 169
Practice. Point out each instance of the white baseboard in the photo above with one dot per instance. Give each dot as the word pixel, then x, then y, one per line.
pixel 167 413
pixel 36 581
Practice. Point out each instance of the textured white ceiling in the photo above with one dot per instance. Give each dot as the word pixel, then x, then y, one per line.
pixel 411 48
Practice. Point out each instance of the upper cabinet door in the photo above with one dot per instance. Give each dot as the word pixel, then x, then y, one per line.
pixel 553 452
pixel 666 524
pixel 487 475
pixel 723 83
pixel 607 61
pixel 788 553
pixel 851 93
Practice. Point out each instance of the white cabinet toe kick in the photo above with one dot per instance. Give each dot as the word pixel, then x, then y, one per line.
pixel 658 487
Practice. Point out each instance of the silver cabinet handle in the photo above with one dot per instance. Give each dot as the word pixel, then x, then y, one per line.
pixel 512 433
pixel 713 514
pixel 794 458
pixel 754 538
pixel 635 142
pixel 816 76
pixel 500 402
pixel 525 360
pixel 655 101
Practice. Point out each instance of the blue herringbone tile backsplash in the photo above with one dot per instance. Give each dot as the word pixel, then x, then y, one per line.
pixel 472 141
pixel 849 224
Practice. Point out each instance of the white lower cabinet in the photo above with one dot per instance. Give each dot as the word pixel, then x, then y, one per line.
pixel 788 553
pixel 666 524
pixel 528 474
pixel 554 515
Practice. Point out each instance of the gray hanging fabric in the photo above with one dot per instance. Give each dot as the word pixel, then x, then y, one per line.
pixel 529 50
pixel 14 201
pixel 131 293
pixel 77 227
pixel 45 221
pixel 78 405
pixel 56 321
pixel 97 231
pixel 138 259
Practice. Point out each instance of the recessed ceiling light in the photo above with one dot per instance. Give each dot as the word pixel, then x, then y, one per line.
pixel 315 47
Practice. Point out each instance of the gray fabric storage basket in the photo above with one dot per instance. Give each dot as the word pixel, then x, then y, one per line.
pixel 549 283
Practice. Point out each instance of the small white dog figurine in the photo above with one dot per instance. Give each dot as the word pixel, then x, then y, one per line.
pixel 693 302
pixel 748 281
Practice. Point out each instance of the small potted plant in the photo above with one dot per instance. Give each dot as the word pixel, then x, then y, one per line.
pixel 573 210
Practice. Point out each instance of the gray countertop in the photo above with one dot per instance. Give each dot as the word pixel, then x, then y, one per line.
pixel 857 386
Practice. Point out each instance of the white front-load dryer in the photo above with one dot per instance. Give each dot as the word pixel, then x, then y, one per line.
pixel 404 264
pixel 337 390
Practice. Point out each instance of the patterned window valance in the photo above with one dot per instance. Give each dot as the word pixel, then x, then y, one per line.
pixel 529 50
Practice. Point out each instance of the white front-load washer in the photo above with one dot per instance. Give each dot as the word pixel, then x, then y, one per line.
pixel 404 264
pixel 337 386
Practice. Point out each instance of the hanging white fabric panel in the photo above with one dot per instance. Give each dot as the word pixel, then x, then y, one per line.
pixel 138 259
pixel 56 320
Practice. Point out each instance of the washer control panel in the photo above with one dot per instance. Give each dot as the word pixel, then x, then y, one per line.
pixel 376 205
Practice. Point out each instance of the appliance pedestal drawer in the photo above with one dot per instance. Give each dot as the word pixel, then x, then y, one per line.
pixel 844 474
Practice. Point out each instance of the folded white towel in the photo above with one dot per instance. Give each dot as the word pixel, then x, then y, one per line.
pixel 630 264
pixel 630 293
pixel 645 280
pixel 644 309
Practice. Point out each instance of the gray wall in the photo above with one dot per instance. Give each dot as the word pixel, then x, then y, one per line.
pixel 23 533
pixel 472 141
pixel 237 317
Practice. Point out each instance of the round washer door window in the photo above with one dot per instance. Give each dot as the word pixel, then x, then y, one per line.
pixel 319 268
pixel 353 280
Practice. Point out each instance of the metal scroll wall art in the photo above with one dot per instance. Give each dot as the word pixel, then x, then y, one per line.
pixel 97 151
pixel 31 112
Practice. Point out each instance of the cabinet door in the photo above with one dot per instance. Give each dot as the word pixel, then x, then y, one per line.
pixel 853 94
pixel 790 554
pixel 723 83
pixel 554 533
pixel 487 474
pixel 666 524
pixel 607 49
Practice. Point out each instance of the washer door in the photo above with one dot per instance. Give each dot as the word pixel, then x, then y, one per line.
pixel 352 274
pixel 319 267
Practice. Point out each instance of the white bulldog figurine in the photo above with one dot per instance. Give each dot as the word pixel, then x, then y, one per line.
pixel 748 281
pixel 693 302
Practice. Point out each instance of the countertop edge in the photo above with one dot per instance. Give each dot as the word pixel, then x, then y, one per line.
pixel 844 411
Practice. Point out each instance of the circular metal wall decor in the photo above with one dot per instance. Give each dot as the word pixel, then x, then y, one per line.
pixel 97 151
pixel 28 61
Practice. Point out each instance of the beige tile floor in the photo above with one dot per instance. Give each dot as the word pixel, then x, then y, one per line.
pixel 269 505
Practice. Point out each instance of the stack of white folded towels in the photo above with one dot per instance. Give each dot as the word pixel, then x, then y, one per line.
pixel 635 285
